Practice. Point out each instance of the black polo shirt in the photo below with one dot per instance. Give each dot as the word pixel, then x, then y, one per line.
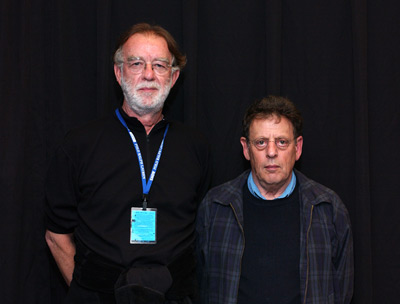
pixel 94 180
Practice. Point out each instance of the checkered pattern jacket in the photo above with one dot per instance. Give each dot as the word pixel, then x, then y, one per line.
pixel 326 249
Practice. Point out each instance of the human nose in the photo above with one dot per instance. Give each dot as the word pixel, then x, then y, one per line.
pixel 272 149
pixel 148 72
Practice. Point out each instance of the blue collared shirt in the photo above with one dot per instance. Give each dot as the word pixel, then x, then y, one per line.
pixel 254 190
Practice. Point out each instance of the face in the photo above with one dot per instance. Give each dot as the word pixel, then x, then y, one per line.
pixel 145 92
pixel 272 167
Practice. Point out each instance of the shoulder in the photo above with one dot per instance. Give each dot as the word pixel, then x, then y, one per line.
pixel 91 128
pixel 323 198
pixel 228 192
pixel 219 198
pixel 314 191
pixel 188 139
pixel 101 133
pixel 186 132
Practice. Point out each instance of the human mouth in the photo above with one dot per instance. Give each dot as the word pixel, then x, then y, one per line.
pixel 272 167
pixel 148 87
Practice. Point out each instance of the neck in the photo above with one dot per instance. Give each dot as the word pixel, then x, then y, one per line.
pixel 271 194
pixel 271 191
pixel 147 120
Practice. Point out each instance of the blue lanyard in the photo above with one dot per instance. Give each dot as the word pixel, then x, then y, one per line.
pixel 145 184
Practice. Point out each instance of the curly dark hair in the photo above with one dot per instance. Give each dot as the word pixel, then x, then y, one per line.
pixel 273 105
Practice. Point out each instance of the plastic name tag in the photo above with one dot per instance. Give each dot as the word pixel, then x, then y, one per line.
pixel 143 226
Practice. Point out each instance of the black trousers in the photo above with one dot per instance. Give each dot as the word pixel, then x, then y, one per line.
pixel 80 295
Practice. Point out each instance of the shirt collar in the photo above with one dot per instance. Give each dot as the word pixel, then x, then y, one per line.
pixel 135 125
pixel 254 190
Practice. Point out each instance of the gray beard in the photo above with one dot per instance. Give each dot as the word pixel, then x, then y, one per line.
pixel 135 100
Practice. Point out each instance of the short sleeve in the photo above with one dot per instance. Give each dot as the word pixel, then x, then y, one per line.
pixel 61 193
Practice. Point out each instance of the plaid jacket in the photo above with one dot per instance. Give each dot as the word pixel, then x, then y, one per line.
pixel 326 248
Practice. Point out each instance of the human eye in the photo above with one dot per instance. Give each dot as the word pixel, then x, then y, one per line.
pixel 160 66
pixel 136 64
pixel 260 143
pixel 282 142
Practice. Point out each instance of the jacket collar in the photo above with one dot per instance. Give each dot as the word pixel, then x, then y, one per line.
pixel 312 192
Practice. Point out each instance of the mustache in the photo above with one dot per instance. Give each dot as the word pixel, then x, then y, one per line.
pixel 151 85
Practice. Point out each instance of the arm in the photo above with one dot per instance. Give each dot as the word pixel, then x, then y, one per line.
pixel 201 248
pixel 62 248
pixel 344 260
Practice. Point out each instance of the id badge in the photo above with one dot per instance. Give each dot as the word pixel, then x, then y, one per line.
pixel 143 226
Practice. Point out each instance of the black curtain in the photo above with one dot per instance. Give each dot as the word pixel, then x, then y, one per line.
pixel 337 60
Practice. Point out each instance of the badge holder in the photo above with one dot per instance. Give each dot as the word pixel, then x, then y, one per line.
pixel 143 225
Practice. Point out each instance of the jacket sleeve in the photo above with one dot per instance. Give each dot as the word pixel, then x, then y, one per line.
pixel 201 250
pixel 344 258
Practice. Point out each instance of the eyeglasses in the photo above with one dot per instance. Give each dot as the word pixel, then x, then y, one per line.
pixel 262 143
pixel 138 65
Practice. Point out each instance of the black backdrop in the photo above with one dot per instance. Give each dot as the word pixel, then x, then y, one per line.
pixel 337 60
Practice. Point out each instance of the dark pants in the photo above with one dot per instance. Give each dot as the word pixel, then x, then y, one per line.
pixel 80 295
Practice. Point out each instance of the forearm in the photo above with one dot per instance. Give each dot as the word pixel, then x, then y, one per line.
pixel 63 250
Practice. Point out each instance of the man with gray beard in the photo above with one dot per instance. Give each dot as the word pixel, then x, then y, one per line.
pixel 122 191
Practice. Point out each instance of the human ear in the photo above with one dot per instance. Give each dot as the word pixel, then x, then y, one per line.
pixel 299 147
pixel 243 141
pixel 118 72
